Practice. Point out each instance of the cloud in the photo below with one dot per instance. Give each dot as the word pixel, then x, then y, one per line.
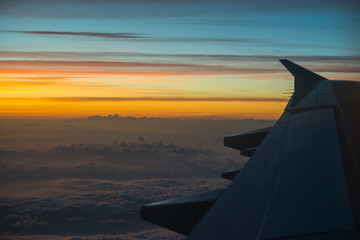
pixel 154 68
pixel 131 68
pixel 92 189
pixel 134 36
pixel 82 34
pixel 94 206
pixel 113 161
pixel 30 223
pixel 128 63
pixel 197 57
pixel 152 234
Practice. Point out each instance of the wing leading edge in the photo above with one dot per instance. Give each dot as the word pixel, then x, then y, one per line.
pixel 302 179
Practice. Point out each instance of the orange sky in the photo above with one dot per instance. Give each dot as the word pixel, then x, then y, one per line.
pixel 67 89
pixel 39 108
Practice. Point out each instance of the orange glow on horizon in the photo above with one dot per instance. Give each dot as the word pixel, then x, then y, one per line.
pixel 34 91
pixel 168 109
pixel 51 89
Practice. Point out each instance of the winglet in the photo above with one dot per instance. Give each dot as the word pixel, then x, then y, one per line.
pixel 305 80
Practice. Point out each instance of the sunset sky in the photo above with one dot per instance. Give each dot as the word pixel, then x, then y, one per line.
pixel 178 58
pixel 204 69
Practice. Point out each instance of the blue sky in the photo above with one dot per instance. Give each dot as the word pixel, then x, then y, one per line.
pixel 246 27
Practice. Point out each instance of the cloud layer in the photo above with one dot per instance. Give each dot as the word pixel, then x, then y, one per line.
pixel 86 178
pixel 113 161
pixel 89 207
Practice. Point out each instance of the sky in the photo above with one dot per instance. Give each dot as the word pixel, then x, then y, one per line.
pixel 178 58
pixel 75 165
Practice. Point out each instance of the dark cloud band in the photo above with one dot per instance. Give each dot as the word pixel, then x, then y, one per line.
pixel 229 57
pixel 84 34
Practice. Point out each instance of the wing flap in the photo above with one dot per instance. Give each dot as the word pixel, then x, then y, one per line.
pixel 246 140
pixel 180 214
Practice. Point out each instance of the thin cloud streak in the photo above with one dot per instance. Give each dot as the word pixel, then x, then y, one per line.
pixel 140 38
pixel 234 57
pixel 132 68
pixel 133 36
pixel 73 80
pixel 164 68
pixel 155 99
pixel 83 34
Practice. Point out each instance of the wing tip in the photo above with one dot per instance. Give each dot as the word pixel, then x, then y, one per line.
pixel 305 80
pixel 293 68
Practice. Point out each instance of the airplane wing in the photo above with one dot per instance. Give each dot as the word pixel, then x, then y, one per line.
pixel 302 180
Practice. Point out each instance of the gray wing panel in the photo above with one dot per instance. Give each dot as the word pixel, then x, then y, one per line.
pixel 293 185
pixel 310 195
pixel 246 199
